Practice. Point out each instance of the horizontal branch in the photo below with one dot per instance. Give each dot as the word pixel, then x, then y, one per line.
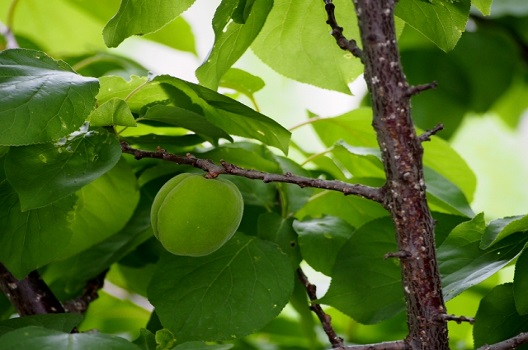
pixel 213 170
pixel 508 344
pixel 393 345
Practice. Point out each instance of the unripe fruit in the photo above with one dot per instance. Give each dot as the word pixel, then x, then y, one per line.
pixel 194 216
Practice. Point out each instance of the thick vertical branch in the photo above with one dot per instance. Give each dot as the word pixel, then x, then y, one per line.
pixel 405 188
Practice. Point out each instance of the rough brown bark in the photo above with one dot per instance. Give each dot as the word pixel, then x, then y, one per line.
pixel 405 187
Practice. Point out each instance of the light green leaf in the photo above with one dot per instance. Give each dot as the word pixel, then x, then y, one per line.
pixel 463 264
pixel 140 17
pixel 365 286
pixel 61 322
pixel 502 228
pixel 242 81
pixel 496 318
pixel 47 172
pixel 484 6
pixel 38 338
pixel 112 112
pixel 295 42
pixel 228 294
pixel 441 21
pixel 321 239
pixel 236 24
pixel 520 283
pixel 444 196
pixel 41 99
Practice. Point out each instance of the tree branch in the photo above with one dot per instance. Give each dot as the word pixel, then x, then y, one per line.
pixel 393 345
pixel 326 320
pixel 90 293
pixel 337 32
pixel 213 170
pixel 29 296
pixel 508 344
pixel 11 42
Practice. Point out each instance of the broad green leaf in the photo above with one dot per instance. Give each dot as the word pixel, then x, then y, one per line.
pixel 365 286
pixel 33 238
pixel 354 210
pixel 69 276
pixel 112 112
pixel 61 322
pixel 441 21
pixel 140 17
pixel 484 6
pixel 463 264
pixel 231 116
pixel 103 208
pixel 246 155
pixel 292 196
pixel 359 161
pixel 41 99
pixel 497 319
pixel 444 196
pixel 137 91
pixel 272 227
pixel 502 228
pixel 44 173
pixel 233 35
pixel 38 338
pixel 174 144
pixel 295 42
pixel 228 294
pixel 520 283
pixel 242 81
pixel 185 118
pixel 198 345
pixel 321 239
pixel 256 192
pixel 146 340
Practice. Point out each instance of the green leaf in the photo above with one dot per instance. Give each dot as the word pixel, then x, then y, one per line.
pixel 44 173
pixel 60 322
pixel 502 228
pixel 37 338
pixel 365 286
pixel 198 345
pixel 497 319
pixel 41 99
pixel 444 196
pixel 176 34
pixel 165 339
pixel 112 112
pixel 321 239
pixel 228 294
pixel 242 81
pixel 33 238
pixel 463 264
pixel 292 196
pixel 295 42
pixel 272 227
pixel 484 6
pixel 232 36
pixel 146 340
pixel 185 118
pixel 140 17
pixel 520 283
pixel 441 21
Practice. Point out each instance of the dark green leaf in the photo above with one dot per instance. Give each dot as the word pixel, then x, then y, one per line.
pixel 321 239
pixel 60 322
pixel 441 21
pixel 41 99
pixel 292 196
pixel 232 38
pixel 502 228
pixel 198 345
pixel 295 42
pixel 272 227
pixel 497 319
pixel 146 340
pixel 37 338
pixel 444 196
pixel 112 112
pixel 228 294
pixel 140 17
pixel 520 283
pixel 365 286
pixel 463 264
pixel 42 174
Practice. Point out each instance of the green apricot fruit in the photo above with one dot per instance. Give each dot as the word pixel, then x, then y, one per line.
pixel 194 216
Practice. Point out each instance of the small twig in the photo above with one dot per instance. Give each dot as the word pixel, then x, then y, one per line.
pixel 337 32
pixel 90 293
pixel 457 319
pixel 508 344
pixel 426 136
pixel 29 296
pixel 11 42
pixel 393 345
pixel 213 170
pixel 416 89
pixel 326 320
pixel 400 255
